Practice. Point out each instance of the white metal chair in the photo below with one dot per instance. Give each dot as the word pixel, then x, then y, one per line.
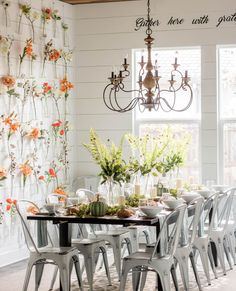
pixel 115 237
pixel 218 233
pixel 184 250
pixel 162 264
pixel 62 257
pixel 89 248
pixel 201 242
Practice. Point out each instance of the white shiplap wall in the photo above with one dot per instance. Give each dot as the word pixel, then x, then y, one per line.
pixel 105 34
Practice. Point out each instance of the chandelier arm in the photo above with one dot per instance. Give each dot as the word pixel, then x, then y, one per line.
pixel 178 110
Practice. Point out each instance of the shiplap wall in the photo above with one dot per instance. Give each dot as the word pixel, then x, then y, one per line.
pixel 106 34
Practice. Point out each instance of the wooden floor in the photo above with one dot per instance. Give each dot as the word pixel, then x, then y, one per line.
pixel 11 279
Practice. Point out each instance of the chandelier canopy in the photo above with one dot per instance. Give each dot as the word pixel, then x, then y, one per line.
pixel 149 94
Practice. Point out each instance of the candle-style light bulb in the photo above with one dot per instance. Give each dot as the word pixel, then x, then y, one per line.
pixel 186 74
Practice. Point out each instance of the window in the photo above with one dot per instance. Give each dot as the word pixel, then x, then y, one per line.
pixel 227 112
pixel 189 120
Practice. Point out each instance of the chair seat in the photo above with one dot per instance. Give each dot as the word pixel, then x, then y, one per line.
pixel 113 232
pixel 57 250
pixel 141 256
pixel 86 241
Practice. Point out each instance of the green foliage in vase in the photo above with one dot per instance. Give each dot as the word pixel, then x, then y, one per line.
pixel 149 150
pixel 133 200
pixel 175 153
pixel 108 157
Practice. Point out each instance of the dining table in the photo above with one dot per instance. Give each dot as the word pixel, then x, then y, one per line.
pixel 65 222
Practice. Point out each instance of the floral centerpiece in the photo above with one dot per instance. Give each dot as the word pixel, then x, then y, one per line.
pixel 113 168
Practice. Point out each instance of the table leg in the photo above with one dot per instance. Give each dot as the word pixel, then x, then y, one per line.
pixel 159 285
pixel 64 238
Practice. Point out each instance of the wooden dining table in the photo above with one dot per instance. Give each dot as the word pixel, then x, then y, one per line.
pixel 64 222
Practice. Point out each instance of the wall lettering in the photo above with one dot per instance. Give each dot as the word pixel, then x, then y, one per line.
pixel 175 21
pixel 141 22
pixel 201 20
pixel 224 18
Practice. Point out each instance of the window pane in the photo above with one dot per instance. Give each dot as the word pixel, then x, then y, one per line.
pixel 189 59
pixel 229 139
pixel 192 165
pixel 227 82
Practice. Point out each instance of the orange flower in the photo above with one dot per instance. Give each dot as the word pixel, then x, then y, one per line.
pixel 26 169
pixel 65 85
pixel 7 120
pixel 60 191
pixel 14 127
pixel 8 207
pixel 32 209
pixel 57 123
pixel 3 173
pixel 41 178
pixel 52 172
pixel 46 88
pixel 8 200
pixel 35 133
pixel 8 81
pixel 54 55
pixel 29 48
pixel 62 132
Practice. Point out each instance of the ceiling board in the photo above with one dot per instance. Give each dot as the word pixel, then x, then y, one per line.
pixel 92 1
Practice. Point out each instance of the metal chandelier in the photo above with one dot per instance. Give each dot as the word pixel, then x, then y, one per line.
pixel 149 94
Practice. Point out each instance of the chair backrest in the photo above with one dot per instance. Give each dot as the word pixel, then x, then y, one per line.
pixel 29 229
pixel 207 216
pixel 224 207
pixel 175 219
pixel 193 221
pixel 55 198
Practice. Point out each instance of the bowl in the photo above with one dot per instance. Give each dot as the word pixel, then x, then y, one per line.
pixel 151 211
pixel 173 203
pixel 189 196
pixel 220 188
pixel 205 193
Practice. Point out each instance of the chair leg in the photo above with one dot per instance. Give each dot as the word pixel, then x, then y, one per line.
pixel 136 274
pixel 38 275
pixel 78 272
pixel 212 262
pixel 220 254
pixel 64 276
pixel 27 275
pixel 143 280
pixel 116 246
pixel 174 277
pixel 147 236
pixel 123 278
pixel 89 267
pixel 129 245
pixel 184 270
pixel 195 271
pixel 106 265
pixel 231 242
pixel 226 249
pixel 165 281
pixel 54 278
pixel 204 259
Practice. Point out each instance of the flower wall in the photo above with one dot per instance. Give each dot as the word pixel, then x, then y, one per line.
pixel 37 92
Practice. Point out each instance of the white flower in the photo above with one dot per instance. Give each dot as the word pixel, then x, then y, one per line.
pixel 34 15
pixel 67 55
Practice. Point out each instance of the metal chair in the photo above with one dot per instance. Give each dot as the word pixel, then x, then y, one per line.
pixel 184 250
pixel 218 233
pixel 161 264
pixel 39 256
pixel 89 248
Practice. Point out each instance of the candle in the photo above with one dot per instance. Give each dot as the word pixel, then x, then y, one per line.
pixel 172 77
pixel 121 200
pixel 191 179
pixel 137 189
pixel 179 183
pixel 120 74
pixel 154 192
pixel 140 79
pixel 156 73
pixel 112 75
pixel 142 59
pixel 125 61
pixel 176 61
pixel 186 74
